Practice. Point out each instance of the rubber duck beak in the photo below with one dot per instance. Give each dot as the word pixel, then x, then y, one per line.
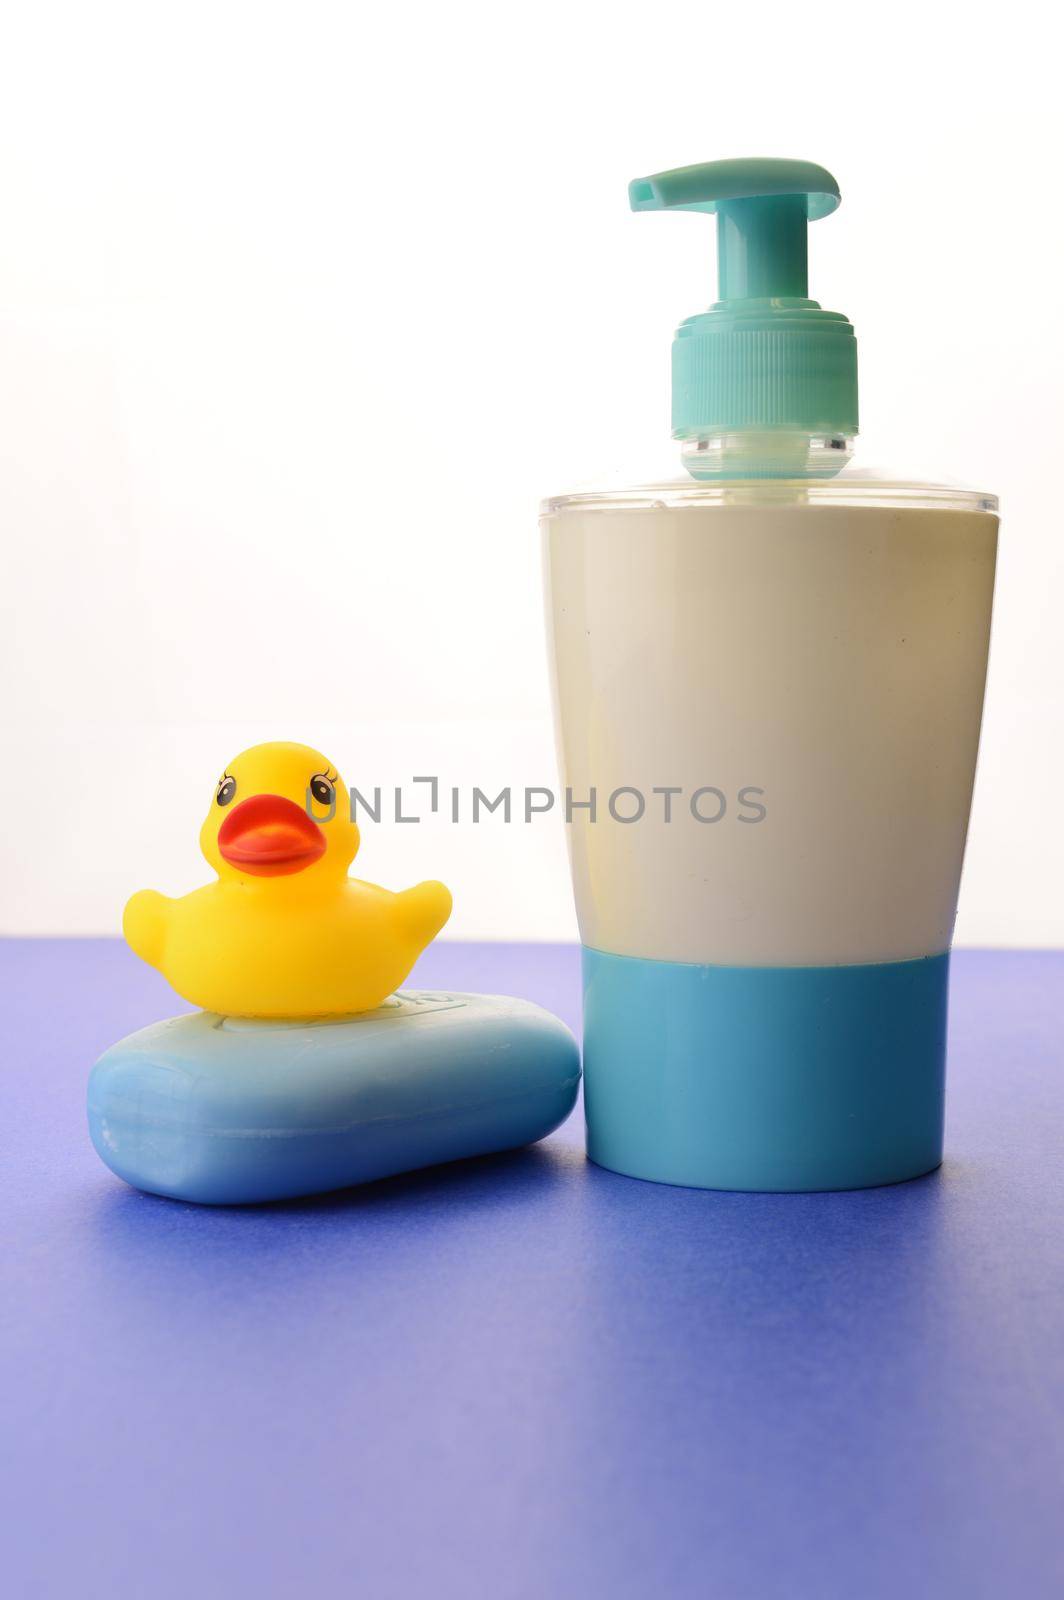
pixel 270 836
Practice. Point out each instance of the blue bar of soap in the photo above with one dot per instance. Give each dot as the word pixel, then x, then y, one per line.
pixel 227 1110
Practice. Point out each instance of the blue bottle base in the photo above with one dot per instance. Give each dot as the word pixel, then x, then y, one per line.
pixel 765 1078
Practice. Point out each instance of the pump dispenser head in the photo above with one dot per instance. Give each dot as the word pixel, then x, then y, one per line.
pixel 764 359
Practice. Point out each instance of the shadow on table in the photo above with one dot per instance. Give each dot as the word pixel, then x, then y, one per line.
pixel 509 1177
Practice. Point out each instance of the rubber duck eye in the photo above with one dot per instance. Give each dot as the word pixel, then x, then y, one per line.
pixel 323 789
pixel 226 790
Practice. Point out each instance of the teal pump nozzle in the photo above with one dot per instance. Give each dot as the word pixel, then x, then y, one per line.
pixel 764 358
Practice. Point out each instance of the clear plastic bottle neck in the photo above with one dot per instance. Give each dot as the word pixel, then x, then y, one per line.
pixel 766 453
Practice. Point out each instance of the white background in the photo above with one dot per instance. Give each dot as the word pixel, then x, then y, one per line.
pixel 302 310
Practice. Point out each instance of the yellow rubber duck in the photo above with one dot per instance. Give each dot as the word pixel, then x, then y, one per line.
pixel 284 932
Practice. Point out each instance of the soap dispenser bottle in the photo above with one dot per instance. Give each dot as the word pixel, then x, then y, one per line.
pixel 768 683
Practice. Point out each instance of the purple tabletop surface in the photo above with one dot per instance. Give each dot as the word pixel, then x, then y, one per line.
pixel 522 1376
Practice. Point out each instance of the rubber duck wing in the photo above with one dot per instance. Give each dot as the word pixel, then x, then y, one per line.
pixel 144 925
pixel 425 908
